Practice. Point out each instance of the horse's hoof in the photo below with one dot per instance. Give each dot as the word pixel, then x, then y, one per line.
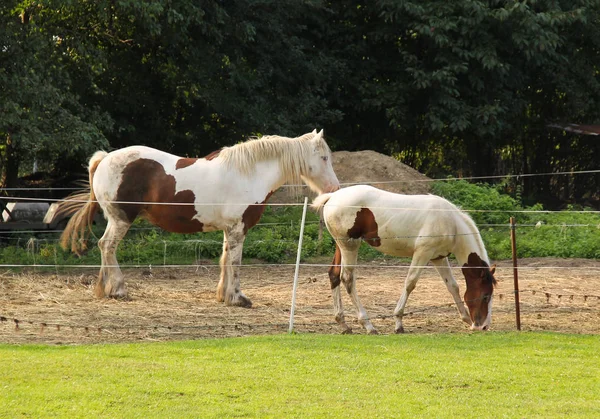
pixel 400 330
pixel 242 301
pixel 347 331
pixel 373 332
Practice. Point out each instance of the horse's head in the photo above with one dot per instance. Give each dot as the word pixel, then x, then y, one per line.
pixel 480 288
pixel 319 174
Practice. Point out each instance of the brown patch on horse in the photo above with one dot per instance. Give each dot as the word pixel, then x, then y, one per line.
pixel 184 162
pixel 335 269
pixel 146 181
pixel 365 227
pixel 213 155
pixel 253 213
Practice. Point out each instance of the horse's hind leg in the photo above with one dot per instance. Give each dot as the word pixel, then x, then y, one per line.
pixel 110 281
pixel 443 268
pixel 228 289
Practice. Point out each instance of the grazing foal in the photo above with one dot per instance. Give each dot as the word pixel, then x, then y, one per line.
pixel 425 227
pixel 226 191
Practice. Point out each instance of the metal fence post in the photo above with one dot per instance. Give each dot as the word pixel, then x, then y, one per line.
pixel 513 241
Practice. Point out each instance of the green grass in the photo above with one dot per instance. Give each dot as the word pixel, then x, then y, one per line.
pixel 463 375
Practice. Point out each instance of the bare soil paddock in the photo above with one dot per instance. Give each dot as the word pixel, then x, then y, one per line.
pixel 179 303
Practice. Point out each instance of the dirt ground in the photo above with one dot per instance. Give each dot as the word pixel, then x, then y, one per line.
pixel 179 303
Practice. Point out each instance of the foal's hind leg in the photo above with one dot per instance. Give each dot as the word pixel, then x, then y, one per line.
pixel 335 272
pixel 443 268
pixel 228 289
pixel 349 257
pixel 110 281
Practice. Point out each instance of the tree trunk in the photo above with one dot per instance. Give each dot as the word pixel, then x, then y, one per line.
pixel 11 166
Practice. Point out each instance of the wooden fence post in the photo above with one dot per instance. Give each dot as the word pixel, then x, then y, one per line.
pixel 513 241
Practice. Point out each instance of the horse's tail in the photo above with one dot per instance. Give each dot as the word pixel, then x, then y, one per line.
pixel 319 202
pixel 83 206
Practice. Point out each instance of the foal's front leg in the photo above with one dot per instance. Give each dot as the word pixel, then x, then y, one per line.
pixel 416 267
pixel 443 268
pixel 228 289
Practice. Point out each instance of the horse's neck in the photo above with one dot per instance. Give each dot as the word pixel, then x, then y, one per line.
pixel 269 173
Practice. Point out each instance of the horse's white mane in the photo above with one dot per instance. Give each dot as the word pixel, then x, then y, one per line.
pixel 292 153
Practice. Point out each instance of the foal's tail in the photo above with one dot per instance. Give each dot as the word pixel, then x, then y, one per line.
pixel 319 202
pixel 83 206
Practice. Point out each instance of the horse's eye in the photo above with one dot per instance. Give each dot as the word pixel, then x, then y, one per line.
pixel 324 158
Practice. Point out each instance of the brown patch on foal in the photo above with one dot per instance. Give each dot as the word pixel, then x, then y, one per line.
pixel 184 162
pixel 365 227
pixel 145 181
pixel 253 213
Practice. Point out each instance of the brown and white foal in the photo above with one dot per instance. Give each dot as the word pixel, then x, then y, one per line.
pixel 425 227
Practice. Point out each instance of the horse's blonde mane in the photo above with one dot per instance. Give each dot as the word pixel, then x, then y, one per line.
pixel 291 153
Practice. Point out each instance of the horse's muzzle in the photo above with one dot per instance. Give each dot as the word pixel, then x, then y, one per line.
pixel 331 188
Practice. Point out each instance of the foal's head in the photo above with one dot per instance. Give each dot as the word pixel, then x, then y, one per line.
pixel 480 287
pixel 318 171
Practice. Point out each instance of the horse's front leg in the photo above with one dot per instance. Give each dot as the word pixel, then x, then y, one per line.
pixel 443 268
pixel 228 289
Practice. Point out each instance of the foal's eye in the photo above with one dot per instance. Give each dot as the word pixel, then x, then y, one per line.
pixel 485 298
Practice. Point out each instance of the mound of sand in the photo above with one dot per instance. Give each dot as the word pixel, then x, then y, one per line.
pixel 367 167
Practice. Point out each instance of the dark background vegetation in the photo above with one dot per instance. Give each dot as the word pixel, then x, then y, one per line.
pixel 463 88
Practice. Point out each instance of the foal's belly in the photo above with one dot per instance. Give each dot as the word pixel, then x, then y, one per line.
pixel 400 248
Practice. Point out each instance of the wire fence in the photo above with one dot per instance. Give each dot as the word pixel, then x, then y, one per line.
pixel 553 297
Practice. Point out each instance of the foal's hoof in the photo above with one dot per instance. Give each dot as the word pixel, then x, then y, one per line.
pixel 400 330
pixel 373 332
pixel 347 331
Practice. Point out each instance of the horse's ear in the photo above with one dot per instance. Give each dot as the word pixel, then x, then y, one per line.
pixel 322 133
pixel 318 135
pixel 314 131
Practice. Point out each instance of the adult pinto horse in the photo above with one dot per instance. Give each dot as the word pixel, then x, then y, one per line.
pixel 424 227
pixel 227 190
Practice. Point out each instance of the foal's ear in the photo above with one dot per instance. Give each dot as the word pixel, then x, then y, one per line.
pixel 471 271
pixel 474 259
pixel 493 269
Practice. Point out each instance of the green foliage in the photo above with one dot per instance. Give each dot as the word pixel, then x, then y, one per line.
pixel 539 233
pixel 455 375
pixel 485 203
